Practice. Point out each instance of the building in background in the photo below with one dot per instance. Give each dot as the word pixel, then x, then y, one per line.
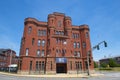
pixel 106 60
pixel 8 59
pixel 55 46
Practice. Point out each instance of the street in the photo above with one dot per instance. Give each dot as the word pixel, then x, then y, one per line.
pixel 107 76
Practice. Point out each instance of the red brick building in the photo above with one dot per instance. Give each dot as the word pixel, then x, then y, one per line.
pixel 55 46
pixel 7 58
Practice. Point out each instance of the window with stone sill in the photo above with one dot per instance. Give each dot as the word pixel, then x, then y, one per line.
pixel 43 43
pixel 74 44
pixel 29 29
pixel 38 53
pixel 78 45
pixel 27 51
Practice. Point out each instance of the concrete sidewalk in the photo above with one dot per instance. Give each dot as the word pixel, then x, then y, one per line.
pixel 56 75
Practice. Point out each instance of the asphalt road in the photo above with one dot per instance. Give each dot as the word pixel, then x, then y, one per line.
pixel 107 76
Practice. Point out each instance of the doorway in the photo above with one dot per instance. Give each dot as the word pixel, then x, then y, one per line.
pixel 61 68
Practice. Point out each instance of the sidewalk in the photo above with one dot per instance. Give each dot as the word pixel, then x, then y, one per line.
pixel 56 75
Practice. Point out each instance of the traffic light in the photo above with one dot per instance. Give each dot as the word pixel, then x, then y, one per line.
pixel 105 44
pixel 98 47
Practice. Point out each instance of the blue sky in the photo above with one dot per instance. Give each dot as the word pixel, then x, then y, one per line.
pixel 102 16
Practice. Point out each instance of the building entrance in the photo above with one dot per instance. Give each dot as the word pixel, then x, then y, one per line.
pixel 61 67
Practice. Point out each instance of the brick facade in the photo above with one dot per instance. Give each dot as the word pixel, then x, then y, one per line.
pixel 55 46
pixel 7 57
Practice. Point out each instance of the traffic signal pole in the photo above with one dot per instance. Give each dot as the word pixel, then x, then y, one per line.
pixel 88 54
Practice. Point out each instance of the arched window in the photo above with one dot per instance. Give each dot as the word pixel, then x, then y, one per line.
pixel 39 42
pixel 29 29
pixel 74 44
pixel 43 43
pixel 38 52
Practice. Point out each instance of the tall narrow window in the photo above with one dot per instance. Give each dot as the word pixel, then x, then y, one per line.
pixel 74 44
pixel 71 65
pixel 75 36
pixel 39 42
pixel 59 23
pixel 43 43
pixel 59 32
pixel 27 51
pixel 43 65
pixel 38 52
pixel 75 53
pixel 37 65
pixel 87 35
pixel 40 65
pixel 57 51
pixel 80 65
pixel 56 40
pixel 84 45
pixel 39 32
pixel 42 54
pixel 62 33
pixel 29 29
pixel 33 41
pixel 44 32
pixel 72 35
pixel 30 65
pixel 78 54
pixel 51 66
pixel 78 45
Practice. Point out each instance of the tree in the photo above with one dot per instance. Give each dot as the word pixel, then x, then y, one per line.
pixel 95 65
pixel 112 63
pixel 104 65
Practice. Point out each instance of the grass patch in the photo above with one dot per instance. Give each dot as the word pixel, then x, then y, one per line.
pixel 108 69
